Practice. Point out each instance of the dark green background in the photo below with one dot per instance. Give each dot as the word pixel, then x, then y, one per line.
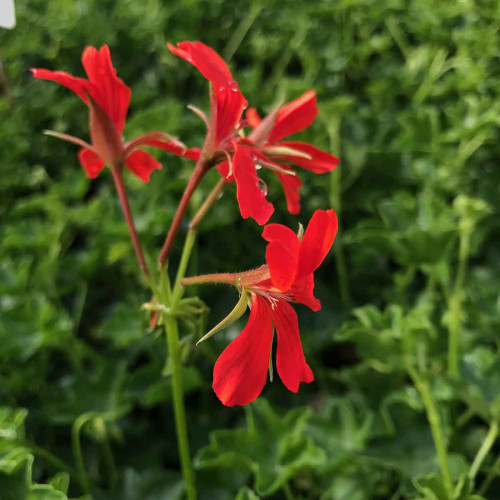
pixel 408 98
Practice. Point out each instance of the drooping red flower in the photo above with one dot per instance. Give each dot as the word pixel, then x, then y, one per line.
pixel 240 372
pixel 108 100
pixel 227 101
pixel 265 147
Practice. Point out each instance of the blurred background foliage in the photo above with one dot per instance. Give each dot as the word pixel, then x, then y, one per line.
pixel 408 96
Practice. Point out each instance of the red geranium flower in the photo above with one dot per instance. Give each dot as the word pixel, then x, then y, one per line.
pixel 226 101
pixel 265 147
pixel 240 372
pixel 108 99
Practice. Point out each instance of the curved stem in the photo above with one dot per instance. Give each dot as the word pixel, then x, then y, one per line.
pixel 127 213
pixel 172 332
pixel 77 449
pixel 492 473
pixel 55 461
pixel 199 171
pixel 483 451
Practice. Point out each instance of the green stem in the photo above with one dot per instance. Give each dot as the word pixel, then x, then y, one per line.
pixel 423 388
pixel 186 253
pixel 172 332
pixel 483 451
pixel 287 491
pixel 336 203
pixel 455 304
pixel 77 449
pixel 422 385
pixel 55 461
pixel 492 473
pixel 109 459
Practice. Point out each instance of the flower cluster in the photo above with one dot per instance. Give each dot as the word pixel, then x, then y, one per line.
pixel 237 146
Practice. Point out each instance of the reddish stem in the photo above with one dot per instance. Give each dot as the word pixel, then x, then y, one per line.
pixel 226 278
pixel 127 213
pixel 199 171
pixel 237 279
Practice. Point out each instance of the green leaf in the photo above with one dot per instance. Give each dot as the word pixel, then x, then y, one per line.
pixel 274 448
pixel 234 315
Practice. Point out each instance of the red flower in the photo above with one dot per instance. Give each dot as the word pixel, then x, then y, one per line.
pixel 265 147
pixel 240 373
pixel 227 102
pixel 108 99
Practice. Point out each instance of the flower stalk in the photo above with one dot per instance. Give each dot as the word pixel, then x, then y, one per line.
pixel 116 170
pixel 199 172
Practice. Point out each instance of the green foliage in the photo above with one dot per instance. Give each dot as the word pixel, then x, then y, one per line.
pixel 409 99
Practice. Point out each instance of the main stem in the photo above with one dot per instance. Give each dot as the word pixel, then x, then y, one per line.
pixel 199 171
pixel 172 332
pixel 116 170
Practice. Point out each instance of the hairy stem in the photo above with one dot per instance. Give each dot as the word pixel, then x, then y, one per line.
pixel 127 213
pixel 172 332
pixel 225 278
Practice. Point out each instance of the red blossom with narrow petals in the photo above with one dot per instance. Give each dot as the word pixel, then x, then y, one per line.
pixel 240 372
pixel 227 102
pixel 267 149
pixel 108 99
pixel 236 156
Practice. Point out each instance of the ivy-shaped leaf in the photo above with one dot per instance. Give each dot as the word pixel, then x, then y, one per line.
pixel 275 448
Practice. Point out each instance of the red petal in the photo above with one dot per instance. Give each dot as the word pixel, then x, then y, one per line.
pixel 303 292
pixel 282 254
pixel 295 116
pixel 253 118
pixel 320 162
pixel 251 198
pixel 291 185
pixel 230 106
pixel 190 153
pixel 142 164
pixel 78 85
pixel 223 169
pixel 108 91
pixel 317 241
pixel 209 63
pixel 290 362
pixel 90 162
pixel 240 373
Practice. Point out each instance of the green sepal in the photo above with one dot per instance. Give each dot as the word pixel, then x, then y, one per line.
pixel 233 316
